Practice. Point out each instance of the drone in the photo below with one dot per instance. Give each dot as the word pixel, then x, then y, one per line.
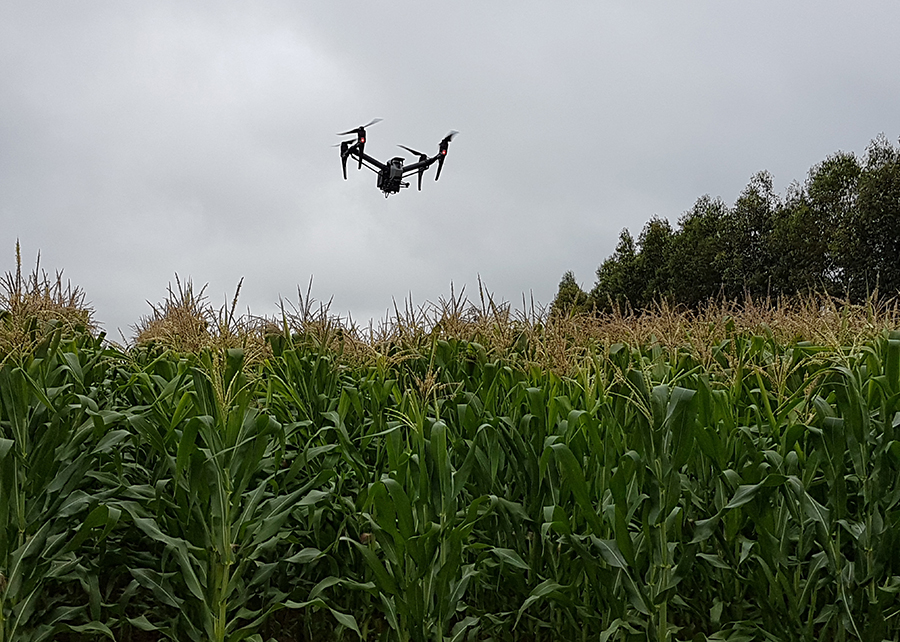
pixel 391 173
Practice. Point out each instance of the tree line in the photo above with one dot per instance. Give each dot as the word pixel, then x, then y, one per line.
pixel 837 232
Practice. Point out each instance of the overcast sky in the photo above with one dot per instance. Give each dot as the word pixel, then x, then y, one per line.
pixel 143 139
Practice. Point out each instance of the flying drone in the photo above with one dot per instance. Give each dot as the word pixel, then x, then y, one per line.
pixel 391 173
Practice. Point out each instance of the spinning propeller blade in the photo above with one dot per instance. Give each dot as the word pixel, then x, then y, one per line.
pixel 444 145
pixel 361 130
pixel 360 136
pixel 412 151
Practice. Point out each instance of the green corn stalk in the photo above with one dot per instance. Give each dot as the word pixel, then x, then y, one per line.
pixel 52 434
pixel 222 458
pixel 421 531
pixel 748 492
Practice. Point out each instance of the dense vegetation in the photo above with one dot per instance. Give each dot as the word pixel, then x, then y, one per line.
pixel 729 474
pixel 838 232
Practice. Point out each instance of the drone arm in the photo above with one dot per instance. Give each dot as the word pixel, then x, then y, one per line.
pixel 419 165
pixel 372 163
pixel 419 168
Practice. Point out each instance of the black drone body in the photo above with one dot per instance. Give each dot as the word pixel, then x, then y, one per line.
pixel 391 173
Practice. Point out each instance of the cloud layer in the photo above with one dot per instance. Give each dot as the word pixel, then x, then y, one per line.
pixel 138 141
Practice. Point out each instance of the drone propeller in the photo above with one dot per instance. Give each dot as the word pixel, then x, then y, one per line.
pixel 361 130
pixel 422 159
pixel 444 145
pixel 360 136
pixel 412 151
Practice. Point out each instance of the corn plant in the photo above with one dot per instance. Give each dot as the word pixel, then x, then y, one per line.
pixel 420 530
pixel 224 511
pixel 452 488
pixel 53 515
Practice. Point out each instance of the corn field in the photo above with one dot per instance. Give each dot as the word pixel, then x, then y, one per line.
pixel 439 485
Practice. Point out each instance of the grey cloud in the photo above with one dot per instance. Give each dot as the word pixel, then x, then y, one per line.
pixel 141 140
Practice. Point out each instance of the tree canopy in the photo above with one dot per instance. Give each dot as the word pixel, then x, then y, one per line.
pixel 838 232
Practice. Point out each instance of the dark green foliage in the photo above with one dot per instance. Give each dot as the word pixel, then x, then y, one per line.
pixel 800 247
pixel 698 253
pixel 618 279
pixel 839 233
pixel 749 254
pixel 655 260
pixel 637 274
pixel 830 203
pixel 870 240
pixel 570 298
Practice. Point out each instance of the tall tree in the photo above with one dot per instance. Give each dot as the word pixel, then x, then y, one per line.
pixel 875 225
pixel 800 245
pixel 654 261
pixel 748 234
pixel 831 193
pixel 698 252
pixel 618 281
pixel 570 298
pixel 839 231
